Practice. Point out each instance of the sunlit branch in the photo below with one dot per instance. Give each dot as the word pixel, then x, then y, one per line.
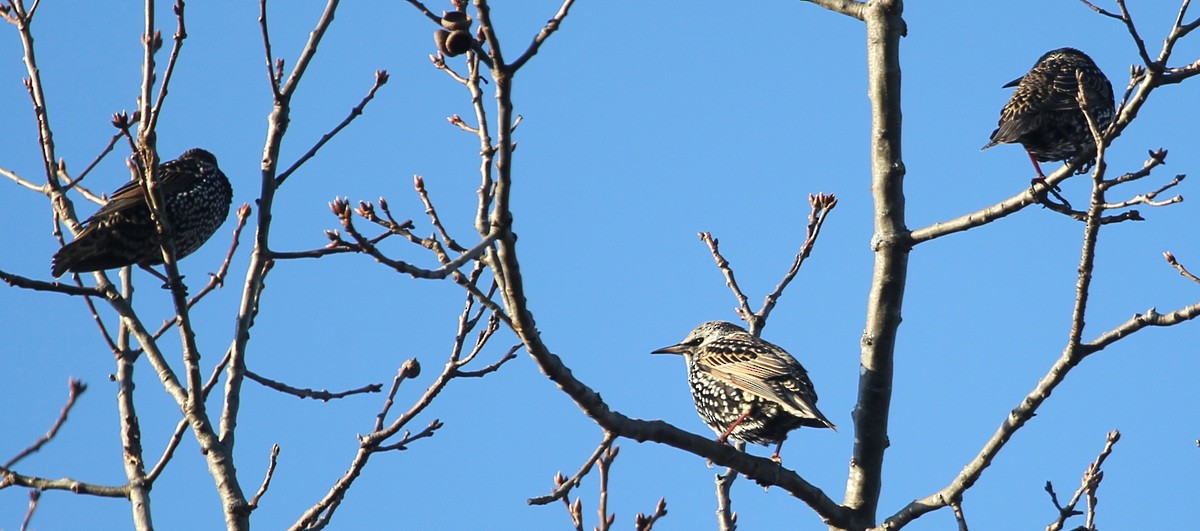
pixel 381 78
pixel 74 388
pixel 321 395
pixel 262 489
pixel 563 485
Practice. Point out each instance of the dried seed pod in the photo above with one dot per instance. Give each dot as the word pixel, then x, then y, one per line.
pixel 458 42
pixel 439 38
pixel 455 20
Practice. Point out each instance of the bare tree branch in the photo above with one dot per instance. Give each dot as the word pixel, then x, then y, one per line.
pixel 646 523
pixel 726 517
pixel 180 35
pixel 320 513
pixel 821 204
pixel 551 26
pixel 34 496
pixel 262 489
pixel 74 389
pixel 410 369
pixel 1170 258
pixel 563 485
pixel 850 8
pixel 381 78
pixel 959 517
pixel 891 243
pixel 321 395
pixel 408 438
pixel 56 287
pixel 743 308
pixel 177 436
pixel 9 478
pixel 604 465
pixel 133 458
pixel 1091 481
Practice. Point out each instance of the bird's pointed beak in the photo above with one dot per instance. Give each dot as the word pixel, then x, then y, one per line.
pixel 1014 82
pixel 673 349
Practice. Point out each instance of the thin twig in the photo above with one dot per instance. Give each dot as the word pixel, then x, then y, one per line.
pixel 1148 197
pixel 956 506
pixel 605 464
pixel 180 35
pixel 322 511
pixel 321 395
pixel 381 78
pixel 563 486
pixel 262 489
pixel 646 523
pixel 34 496
pixel 726 516
pixel 402 444
pixel 177 436
pixel 419 184
pixel 1170 257
pixel 310 49
pixel 410 369
pixel 215 280
pixel 508 356
pixel 743 308
pixel 1028 406
pixel 22 182
pixel 266 37
pixel 19 281
pixel 551 26
pixel 1127 18
pixel 10 478
pixel 425 11
pixel 87 171
pixel 74 389
pixel 91 304
pixel 820 205
pixel 1088 485
pixel 1100 10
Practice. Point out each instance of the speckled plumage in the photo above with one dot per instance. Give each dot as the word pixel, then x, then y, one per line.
pixel 1043 114
pixel 747 388
pixel 122 232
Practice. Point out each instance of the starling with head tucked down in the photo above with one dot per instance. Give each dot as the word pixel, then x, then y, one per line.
pixel 747 388
pixel 122 232
pixel 1044 113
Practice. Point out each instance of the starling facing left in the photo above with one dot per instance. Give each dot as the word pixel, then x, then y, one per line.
pixel 1044 113
pixel 747 388
pixel 122 232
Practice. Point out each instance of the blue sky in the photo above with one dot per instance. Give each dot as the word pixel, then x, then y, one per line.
pixel 641 128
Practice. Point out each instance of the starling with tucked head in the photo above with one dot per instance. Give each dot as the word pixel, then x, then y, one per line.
pixel 122 232
pixel 747 388
pixel 1044 113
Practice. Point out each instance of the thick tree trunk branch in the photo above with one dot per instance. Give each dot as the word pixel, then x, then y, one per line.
pixel 891 245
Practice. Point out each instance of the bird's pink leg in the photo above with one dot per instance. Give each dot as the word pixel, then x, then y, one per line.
pixel 775 456
pixel 1041 177
pixel 725 436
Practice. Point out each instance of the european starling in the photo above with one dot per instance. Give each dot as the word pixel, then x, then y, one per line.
pixel 122 232
pixel 747 388
pixel 1044 114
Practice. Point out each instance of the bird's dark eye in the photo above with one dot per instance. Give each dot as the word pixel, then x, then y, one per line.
pixel 693 342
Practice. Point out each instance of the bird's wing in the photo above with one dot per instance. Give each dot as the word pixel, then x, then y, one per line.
pixel 173 177
pixel 1064 91
pixel 764 370
pixel 1038 92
